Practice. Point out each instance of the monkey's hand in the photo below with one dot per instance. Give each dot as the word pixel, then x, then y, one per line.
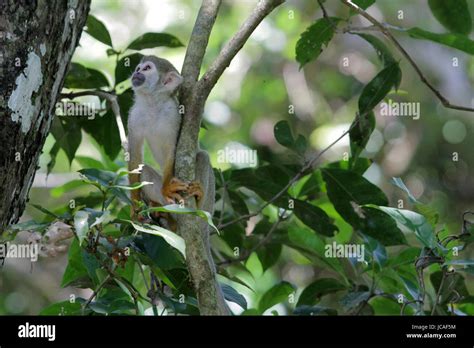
pixel 171 190
pixel 195 189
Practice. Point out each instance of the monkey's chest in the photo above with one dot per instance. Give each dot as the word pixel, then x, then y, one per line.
pixel 161 135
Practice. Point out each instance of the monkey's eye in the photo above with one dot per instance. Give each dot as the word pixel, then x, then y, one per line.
pixel 147 67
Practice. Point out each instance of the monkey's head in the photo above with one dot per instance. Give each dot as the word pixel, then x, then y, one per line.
pixel 155 75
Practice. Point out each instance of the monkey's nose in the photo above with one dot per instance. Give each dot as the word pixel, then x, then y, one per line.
pixel 138 79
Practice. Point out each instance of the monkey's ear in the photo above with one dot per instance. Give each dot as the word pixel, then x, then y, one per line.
pixel 172 80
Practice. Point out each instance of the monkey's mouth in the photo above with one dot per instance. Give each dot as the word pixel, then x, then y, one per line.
pixel 138 79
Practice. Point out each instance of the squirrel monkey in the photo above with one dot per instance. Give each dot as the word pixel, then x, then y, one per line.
pixel 155 118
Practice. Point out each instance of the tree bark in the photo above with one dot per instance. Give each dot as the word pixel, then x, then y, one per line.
pixel 37 41
pixel 193 97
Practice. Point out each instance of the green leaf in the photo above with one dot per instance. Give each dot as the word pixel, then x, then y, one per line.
pixel 277 294
pixel 58 191
pixel 81 77
pixel 346 188
pixel 414 222
pixel 230 294
pixel 314 217
pixel 64 308
pixel 378 88
pixel 353 299
pixel 152 40
pixel 125 67
pixel 268 254
pixel 381 49
pixel 97 30
pixel 457 41
pixel 311 42
pixel 376 250
pixel 400 184
pixel 314 291
pixel 67 133
pixel 381 227
pixel 361 129
pixel 75 271
pixel 177 209
pixel 305 240
pixel 454 15
pixel 105 131
pixel 160 253
pixel 81 225
pixel 102 177
pixel 170 237
pixel 363 4
pixel 283 134
pixel 301 145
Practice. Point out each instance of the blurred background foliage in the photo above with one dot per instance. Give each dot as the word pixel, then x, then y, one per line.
pixel 258 89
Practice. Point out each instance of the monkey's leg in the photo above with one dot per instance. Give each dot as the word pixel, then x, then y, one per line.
pixel 135 151
pixel 172 185
pixel 154 197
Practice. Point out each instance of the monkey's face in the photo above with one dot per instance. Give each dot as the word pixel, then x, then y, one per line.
pixel 145 76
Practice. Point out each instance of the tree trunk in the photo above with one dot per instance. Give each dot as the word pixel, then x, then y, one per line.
pixel 37 40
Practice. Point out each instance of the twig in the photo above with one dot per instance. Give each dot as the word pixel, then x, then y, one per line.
pixel 298 175
pixel 389 35
pixel 259 244
pixel 112 99
pixel 94 294
pixel 438 294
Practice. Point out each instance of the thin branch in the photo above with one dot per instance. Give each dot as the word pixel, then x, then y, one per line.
pixel 262 242
pixel 198 43
pixel 223 60
pixel 389 35
pixel 95 293
pixel 112 99
pixel 298 176
pixel 438 294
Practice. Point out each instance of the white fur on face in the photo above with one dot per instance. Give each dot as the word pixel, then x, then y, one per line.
pixel 148 69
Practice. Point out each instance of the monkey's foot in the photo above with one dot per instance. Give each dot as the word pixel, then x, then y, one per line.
pixel 195 189
pixel 171 190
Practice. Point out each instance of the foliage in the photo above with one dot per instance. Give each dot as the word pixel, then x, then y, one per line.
pixel 138 267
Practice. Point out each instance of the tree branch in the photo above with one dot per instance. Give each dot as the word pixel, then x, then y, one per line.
pixel 193 97
pixel 112 99
pixel 223 60
pixel 390 36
